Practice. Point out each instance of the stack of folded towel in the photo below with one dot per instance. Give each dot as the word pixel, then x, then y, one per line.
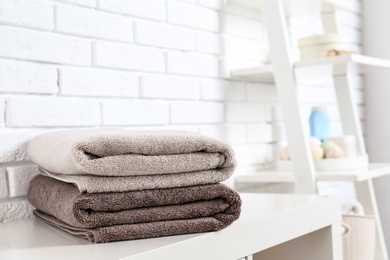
pixel 110 185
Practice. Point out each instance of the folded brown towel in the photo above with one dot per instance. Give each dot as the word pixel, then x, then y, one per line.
pixel 105 217
pixel 113 152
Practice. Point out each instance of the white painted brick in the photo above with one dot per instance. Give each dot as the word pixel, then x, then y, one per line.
pixel 3 184
pixel 250 154
pixel 317 95
pixel 214 4
pixel 236 91
pixel 15 210
pixel 92 23
pixel 308 23
pixel 234 46
pixel 261 92
pixel 26 77
pixel 208 42
pixel 233 134
pixel 169 87
pixel 232 8
pixel 257 50
pixel 166 36
pixel 355 35
pixel 50 111
pixel 350 19
pixel 89 3
pixel 130 57
pixel 40 46
pixel 19 178
pixel 135 112
pixel 240 26
pixel 260 133
pixel 36 14
pixel 197 112
pixel 2 112
pixel 97 82
pixel 241 112
pixel 191 128
pixel 192 16
pixel 150 9
pixel 213 89
pixel 192 64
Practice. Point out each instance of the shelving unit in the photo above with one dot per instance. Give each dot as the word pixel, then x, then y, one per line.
pixel 284 72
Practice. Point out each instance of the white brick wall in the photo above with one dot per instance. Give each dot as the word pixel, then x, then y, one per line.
pixel 2 112
pixel 197 112
pixel 135 112
pixel 192 64
pixel 122 56
pixel 165 36
pixel 3 184
pixel 34 13
pixel 46 47
pixel 141 64
pixel 193 16
pixel 88 3
pixel 49 112
pixel 169 87
pixel 19 179
pixel 97 82
pixel 92 23
pixel 27 77
pixel 148 9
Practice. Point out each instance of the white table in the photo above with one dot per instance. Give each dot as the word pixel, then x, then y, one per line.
pixel 294 227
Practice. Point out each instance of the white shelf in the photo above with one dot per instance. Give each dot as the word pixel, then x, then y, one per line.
pixel 261 214
pixel 301 7
pixel 374 170
pixel 266 74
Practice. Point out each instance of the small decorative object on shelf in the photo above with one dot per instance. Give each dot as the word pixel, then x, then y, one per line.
pixel 333 154
pixel 319 123
pixel 319 46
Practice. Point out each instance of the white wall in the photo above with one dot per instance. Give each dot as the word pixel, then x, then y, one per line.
pixel 146 64
pixel 376 43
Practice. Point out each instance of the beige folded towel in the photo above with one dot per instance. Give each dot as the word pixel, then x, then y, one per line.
pixel 112 152
pixel 98 184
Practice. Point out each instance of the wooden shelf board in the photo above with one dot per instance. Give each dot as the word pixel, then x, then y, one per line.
pixel 265 73
pixel 374 170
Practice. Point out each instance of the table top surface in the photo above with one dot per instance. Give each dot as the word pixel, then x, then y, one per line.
pixel 266 220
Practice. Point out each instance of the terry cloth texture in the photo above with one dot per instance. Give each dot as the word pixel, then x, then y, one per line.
pixel 112 152
pixel 106 217
pixel 97 184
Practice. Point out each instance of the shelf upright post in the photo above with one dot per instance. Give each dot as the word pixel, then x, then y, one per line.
pixel 365 192
pixel 280 48
pixel 347 105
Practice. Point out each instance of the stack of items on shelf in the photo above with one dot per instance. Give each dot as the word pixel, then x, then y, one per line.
pixel 110 185
pixel 324 45
pixel 322 146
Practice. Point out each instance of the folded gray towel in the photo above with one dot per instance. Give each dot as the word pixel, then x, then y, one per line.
pixel 112 152
pixel 113 216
